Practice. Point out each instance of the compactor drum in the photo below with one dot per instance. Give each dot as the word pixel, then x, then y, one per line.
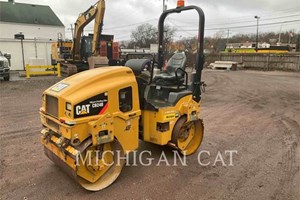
pixel 93 119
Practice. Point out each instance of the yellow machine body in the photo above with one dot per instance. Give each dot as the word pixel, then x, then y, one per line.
pixel 109 109
pixel 107 81
pixel 59 49
pixel 167 115
pixel 67 134
pixel 64 132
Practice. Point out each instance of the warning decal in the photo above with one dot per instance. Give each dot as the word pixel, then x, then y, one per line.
pixel 59 87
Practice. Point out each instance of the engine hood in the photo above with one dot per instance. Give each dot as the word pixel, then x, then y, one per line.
pixel 89 83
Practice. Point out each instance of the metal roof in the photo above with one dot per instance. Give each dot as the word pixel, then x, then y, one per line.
pixel 28 14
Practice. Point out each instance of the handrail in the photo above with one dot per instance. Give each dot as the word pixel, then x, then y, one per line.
pixel 54 70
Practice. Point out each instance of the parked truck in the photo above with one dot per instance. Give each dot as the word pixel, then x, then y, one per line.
pixel 4 66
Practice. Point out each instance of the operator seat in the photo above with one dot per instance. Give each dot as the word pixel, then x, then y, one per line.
pixel 168 76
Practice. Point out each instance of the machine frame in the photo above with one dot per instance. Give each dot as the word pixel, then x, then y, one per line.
pixel 111 108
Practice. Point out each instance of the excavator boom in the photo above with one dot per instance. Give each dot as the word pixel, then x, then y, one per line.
pixel 94 12
pixel 87 52
pixel 98 27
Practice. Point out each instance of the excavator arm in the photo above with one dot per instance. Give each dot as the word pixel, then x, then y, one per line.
pixel 94 12
pixel 98 27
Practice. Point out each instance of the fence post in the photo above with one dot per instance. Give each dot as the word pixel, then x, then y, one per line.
pixel 299 62
pixel 27 71
pixel 268 61
pixel 58 70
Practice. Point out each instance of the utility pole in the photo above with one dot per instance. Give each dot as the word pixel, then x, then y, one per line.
pixel 23 57
pixel 279 39
pixel 291 35
pixel 227 38
pixel 35 48
pixel 298 44
pixel 72 31
pixel 164 5
pixel 20 36
pixel 256 46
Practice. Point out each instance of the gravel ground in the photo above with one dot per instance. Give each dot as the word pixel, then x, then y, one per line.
pixel 255 113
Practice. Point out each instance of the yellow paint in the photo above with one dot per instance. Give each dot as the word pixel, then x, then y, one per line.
pixel 29 72
pixel 115 124
pixel 169 114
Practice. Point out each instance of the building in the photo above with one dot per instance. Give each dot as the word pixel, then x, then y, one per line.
pixel 40 27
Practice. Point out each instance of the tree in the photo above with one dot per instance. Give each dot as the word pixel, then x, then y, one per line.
pixel 216 43
pixel 143 36
pixel 169 33
pixel 269 37
pixel 147 34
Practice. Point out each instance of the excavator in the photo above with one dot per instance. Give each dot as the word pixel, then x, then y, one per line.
pixel 86 52
pixel 101 114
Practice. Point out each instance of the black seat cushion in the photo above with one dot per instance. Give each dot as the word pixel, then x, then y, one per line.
pixel 168 77
pixel 178 60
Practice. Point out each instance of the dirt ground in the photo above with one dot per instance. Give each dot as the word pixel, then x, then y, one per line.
pixel 255 113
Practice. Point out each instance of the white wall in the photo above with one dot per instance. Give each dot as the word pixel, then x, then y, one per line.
pixel 8 30
pixel 33 48
pixel 40 49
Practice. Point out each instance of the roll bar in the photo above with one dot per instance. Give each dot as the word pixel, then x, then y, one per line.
pixel 200 46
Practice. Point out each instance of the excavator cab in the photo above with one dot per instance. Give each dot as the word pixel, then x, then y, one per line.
pixel 99 115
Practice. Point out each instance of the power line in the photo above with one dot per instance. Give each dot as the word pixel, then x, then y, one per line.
pixel 249 21
pixel 122 27
pixel 125 26
pixel 178 27
pixel 181 21
pixel 187 31
pixel 246 26
pixel 238 19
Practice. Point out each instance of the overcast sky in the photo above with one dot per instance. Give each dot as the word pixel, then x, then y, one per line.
pixel 122 16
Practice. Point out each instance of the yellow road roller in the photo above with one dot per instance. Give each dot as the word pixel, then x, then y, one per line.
pixel 109 109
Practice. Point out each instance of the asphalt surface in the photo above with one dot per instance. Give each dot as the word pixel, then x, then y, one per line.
pixel 256 114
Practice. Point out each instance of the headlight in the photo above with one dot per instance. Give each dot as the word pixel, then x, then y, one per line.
pixel 68 106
